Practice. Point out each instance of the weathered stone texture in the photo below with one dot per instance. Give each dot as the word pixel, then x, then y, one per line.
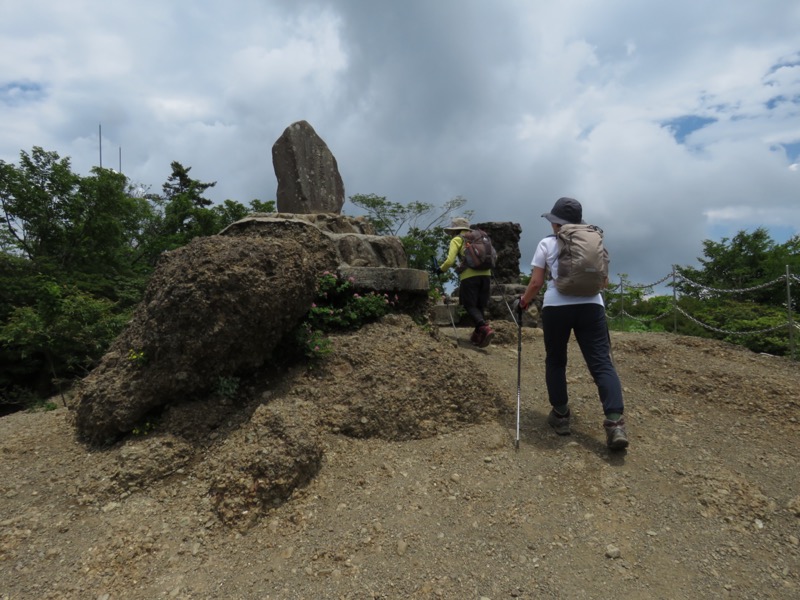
pixel 307 172
pixel 353 239
pixel 213 309
pixel 505 239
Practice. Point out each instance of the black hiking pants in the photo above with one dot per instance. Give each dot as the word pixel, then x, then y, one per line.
pixel 588 321
pixel 473 295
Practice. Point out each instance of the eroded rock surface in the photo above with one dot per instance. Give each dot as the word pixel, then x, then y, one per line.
pixel 307 172
pixel 215 308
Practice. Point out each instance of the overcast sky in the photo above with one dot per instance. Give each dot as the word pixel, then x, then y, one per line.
pixel 672 122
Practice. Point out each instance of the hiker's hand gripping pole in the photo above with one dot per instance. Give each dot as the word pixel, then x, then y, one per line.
pixel 520 306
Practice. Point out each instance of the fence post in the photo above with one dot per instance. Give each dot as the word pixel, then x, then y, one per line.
pixel 674 301
pixel 789 310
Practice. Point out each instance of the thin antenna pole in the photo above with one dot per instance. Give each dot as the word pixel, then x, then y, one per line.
pixel 100 139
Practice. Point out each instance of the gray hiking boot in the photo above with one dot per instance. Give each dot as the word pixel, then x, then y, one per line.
pixel 616 436
pixel 559 423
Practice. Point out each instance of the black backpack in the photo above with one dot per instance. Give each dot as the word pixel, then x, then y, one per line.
pixel 479 253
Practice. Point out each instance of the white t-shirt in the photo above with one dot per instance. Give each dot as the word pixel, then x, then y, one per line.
pixel 546 256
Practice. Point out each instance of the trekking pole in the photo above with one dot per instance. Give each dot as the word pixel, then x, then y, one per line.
pixel 452 322
pixel 519 375
pixel 608 334
pixel 511 312
pixel 518 321
pixel 446 303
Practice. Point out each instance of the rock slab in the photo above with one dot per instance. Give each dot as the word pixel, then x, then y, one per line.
pixel 307 172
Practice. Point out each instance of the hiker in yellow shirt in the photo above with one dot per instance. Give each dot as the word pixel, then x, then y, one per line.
pixel 474 284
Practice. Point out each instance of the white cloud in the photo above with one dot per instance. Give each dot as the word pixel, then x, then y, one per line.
pixel 510 104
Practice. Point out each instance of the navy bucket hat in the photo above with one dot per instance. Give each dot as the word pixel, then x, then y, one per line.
pixel 565 211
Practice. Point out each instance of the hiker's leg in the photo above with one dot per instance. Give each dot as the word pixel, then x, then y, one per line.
pixel 557 325
pixel 484 285
pixel 468 294
pixel 485 332
pixel 591 331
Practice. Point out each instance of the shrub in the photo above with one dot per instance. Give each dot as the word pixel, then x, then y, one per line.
pixel 338 307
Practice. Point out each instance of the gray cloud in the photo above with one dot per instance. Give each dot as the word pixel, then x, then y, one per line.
pixel 508 103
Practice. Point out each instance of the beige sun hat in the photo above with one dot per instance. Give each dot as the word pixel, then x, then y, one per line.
pixel 458 224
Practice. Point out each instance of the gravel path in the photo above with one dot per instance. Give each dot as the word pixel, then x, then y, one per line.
pixel 704 504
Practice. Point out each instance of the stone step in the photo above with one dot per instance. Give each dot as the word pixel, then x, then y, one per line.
pixel 387 279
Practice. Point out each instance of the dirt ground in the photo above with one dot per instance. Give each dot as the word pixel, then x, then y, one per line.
pixel 705 503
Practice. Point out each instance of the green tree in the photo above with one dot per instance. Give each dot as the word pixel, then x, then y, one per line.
pixel 67 223
pixel 18 287
pixel 183 213
pixel 75 254
pixel 37 198
pixel 107 224
pixel 745 261
pixel 229 212
pixel 420 226
pixel 393 218
pixel 735 321
pixel 259 206
pixel 179 215
pixel 61 335
pixel 179 184
pixel 627 307
pixel 740 287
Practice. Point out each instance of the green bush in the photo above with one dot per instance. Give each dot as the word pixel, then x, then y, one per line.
pixel 313 343
pixel 61 336
pixel 338 307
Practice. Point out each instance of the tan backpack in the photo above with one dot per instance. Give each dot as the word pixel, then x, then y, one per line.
pixel 582 260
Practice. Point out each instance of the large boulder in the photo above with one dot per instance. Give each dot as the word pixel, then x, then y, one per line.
pixel 389 380
pixel 307 172
pixel 213 309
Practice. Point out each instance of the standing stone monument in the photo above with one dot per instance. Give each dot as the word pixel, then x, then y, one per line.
pixel 308 176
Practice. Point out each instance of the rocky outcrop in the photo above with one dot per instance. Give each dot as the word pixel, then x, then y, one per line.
pixel 506 286
pixel 505 239
pixel 218 307
pixel 214 316
pixel 213 309
pixel 307 172
pixel 354 241
pixel 373 263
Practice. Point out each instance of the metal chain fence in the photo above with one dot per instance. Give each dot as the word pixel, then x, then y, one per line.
pixel 675 309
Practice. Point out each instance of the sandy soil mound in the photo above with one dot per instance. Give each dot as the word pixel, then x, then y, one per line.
pixel 390 472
